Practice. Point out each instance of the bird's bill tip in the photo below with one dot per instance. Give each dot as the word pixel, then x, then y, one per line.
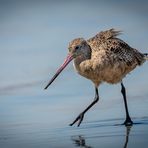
pixel 68 59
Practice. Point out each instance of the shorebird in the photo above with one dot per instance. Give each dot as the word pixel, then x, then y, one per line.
pixel 103 58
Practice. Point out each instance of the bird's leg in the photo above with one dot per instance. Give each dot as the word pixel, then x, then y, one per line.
pixel 128 120
pixel 81 115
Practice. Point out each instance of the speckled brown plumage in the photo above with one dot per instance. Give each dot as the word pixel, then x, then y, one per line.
pixel 102 58
pixel 109 58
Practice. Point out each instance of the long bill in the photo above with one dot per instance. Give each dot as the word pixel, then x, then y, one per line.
pixel 66 62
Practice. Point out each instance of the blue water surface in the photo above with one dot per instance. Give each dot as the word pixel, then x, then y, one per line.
pixel 34 37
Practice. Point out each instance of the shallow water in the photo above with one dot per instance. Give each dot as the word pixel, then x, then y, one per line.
pixel 38 122
pixel 33 43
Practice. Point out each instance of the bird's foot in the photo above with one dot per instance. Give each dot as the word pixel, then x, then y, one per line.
pixel 79 119
pixel 128 122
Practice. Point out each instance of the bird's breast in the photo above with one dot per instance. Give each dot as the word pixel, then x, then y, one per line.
pixel 102 68
pixel 85 69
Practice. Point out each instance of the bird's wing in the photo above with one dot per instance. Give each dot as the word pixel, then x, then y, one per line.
pixel 116 49
pixel 121 51
pixel 101 37
pixel 108 34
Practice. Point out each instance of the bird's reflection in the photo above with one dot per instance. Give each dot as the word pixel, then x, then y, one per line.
pixel 80 141
pixel 128 129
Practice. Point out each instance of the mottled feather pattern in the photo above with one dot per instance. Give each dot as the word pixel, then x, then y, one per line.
pixel 110 58
pixel 112 33
pixel 101 37
pixel 117 48
pixel 102 58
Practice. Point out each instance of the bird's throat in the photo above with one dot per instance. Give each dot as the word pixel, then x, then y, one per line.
pixel 80 59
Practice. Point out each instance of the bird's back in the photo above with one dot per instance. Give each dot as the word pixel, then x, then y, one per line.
pixel 111 58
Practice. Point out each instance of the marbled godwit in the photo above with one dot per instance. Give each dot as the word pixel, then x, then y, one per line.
pixel 103 58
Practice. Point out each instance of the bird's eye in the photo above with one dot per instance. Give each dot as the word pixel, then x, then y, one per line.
pixel 77 47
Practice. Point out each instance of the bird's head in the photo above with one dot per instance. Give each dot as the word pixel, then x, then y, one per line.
pixel 77 48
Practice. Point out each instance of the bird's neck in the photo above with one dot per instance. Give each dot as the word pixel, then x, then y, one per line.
pixel 78 60
pixel 81 58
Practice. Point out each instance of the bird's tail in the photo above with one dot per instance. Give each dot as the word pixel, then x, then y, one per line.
pixel 145 56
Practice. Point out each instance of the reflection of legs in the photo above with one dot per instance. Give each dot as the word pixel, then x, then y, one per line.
pixel 80 142
pixel 128 120
pixel 81 115
pixel 128 128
